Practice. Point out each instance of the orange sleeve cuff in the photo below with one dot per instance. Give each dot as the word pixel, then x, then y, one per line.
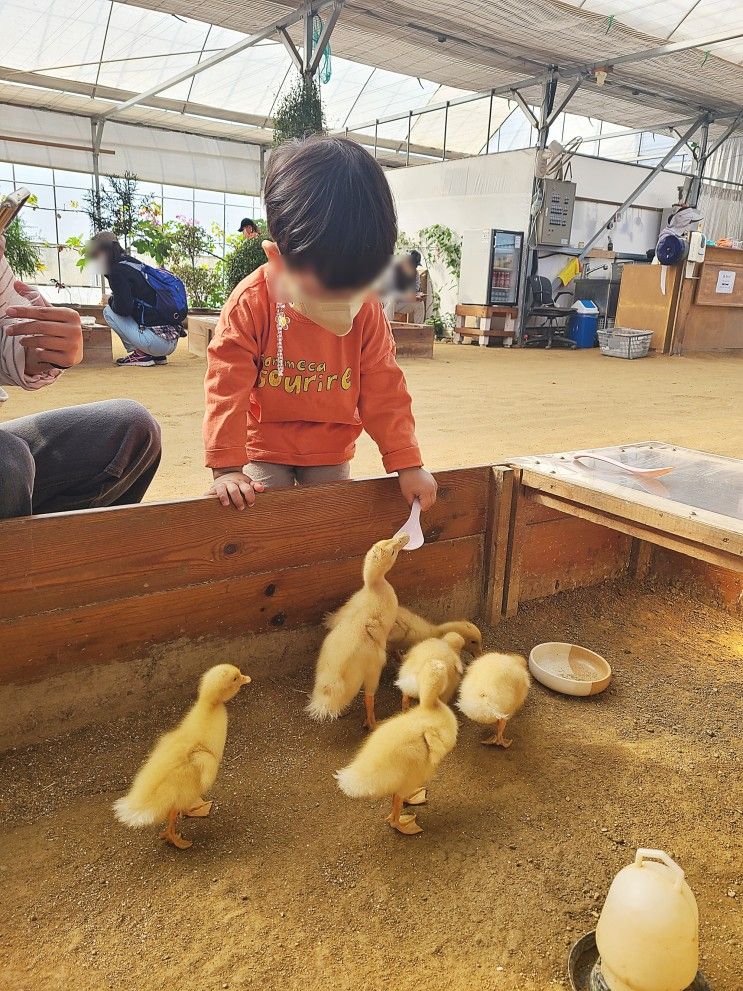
pixel 409 457
pixel 226 457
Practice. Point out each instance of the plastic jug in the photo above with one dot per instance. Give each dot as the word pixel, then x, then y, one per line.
pixel 648 932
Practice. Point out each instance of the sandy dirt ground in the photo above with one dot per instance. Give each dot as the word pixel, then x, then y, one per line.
pixel 290 885
pixel 473 406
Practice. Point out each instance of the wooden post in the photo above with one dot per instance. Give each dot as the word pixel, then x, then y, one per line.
pixel 496 543
pixel 516 534
pixel 484 324
pixel 640 559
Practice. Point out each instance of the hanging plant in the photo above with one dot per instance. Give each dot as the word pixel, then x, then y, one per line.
pixel 300 113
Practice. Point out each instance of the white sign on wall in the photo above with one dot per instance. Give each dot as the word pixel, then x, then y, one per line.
pixel 725 281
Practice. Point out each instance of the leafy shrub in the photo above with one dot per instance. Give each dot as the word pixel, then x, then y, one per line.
pixel 246 256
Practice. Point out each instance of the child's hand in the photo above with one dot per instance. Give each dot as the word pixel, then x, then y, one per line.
pixel 418 483
pixel 234 487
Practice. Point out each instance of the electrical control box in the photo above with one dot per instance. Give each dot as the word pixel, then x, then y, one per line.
pixel 556 217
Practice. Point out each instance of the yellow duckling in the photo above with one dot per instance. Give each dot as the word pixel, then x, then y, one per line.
pixel 410 629
pixel 446 650
pixel 404 752
pixel 354 651
pixel 493 690
pixel 185 761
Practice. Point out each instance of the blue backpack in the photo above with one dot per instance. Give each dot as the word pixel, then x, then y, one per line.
pixel 171 304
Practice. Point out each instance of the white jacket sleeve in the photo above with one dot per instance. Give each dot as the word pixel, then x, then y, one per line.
pixel 12 353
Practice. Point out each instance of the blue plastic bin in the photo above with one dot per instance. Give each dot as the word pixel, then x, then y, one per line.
pixel 584 323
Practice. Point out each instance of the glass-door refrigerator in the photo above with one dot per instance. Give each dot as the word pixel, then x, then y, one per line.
pixel 491 267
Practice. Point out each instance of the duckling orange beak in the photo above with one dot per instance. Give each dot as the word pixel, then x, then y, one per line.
pixel 245 679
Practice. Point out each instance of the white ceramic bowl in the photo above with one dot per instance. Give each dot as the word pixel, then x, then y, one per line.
pixel 570 669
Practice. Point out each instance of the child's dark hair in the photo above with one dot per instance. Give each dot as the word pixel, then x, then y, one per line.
pixel 329 208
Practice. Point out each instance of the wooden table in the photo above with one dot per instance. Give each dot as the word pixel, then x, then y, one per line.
pixel 200 330
pixel 695 511
pixel 484 316
pixel 97 347
pixel 413 340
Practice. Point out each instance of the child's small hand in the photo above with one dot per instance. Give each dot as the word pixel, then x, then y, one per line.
pixel 418 483
pixel 234 487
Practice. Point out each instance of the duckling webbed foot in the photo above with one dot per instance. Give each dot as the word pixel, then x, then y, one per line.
pixel 201 810
pixel 405 824
pixel 498 739
pixel 419 797
pixel 171 835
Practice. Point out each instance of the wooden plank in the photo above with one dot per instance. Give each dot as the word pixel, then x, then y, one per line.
pixel 496 543
pixel 37 647
pixel 643 305
pixel 516 536
pixel 200 330
pixel 569 553
pixel 58 561
pixel 97 347
pixel 641 531
pixel 724 260
pixel 697 525
pixel 478 310
pixel 413 340
pixel 641 558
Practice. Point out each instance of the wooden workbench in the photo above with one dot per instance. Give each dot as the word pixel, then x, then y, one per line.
pixel 695 511
pixel 485 319
pixel 686 307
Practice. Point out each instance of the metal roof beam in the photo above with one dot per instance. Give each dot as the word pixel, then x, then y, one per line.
pixel 703 119
pixel 218 57
pixel 324 38
pixel 670 48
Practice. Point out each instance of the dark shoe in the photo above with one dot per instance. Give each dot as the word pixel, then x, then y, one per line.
pixel 162 360
pixel 138 358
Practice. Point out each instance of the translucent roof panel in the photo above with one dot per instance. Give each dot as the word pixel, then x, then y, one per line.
pixel 677 20
pixel 83 56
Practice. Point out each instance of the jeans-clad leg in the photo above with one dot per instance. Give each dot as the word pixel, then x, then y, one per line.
pixel 136 338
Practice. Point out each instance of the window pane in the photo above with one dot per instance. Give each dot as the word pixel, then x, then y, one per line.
pixel 26 174
pixel 44 196
pixel 79 179
pixel 209 196
pixel 69 198
pixel 177 209
pixel 6 171
pixel 178 192
pixel 207 214
pixel 40 225
pixel 72 223
pixel 238 200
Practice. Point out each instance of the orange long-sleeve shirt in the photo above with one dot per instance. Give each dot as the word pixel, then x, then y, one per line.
pixel 332 387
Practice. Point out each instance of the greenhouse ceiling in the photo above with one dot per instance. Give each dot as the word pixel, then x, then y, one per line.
pixel 84 57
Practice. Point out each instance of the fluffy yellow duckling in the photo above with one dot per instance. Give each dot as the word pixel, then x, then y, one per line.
pixel 446 650
pixel 410 629
pixel 404 752
pixel 185 761
pixel 354 651
pixel 493 690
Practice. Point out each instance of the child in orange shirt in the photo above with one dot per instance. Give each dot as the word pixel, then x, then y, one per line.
pixel 303 357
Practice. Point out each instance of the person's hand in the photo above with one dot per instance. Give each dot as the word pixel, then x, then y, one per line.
pixel 51 335
pixel 234 487
pixel 417 483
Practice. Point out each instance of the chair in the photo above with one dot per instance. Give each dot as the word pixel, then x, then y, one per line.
pixel 544 304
